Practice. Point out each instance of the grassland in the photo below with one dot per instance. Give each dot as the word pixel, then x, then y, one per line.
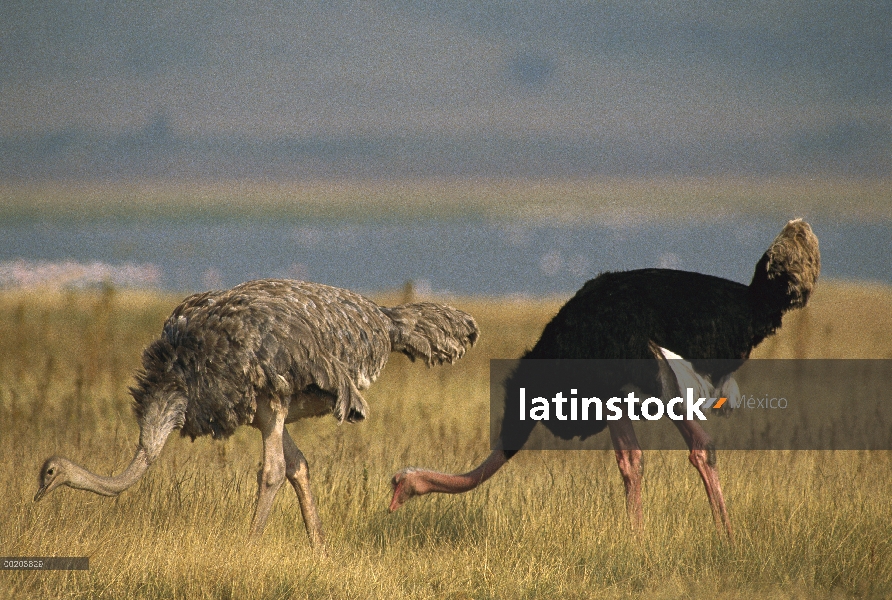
pixel 551 524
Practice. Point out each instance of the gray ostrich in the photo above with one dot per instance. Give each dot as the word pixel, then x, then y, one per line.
pixel 657 314
pixel 266 353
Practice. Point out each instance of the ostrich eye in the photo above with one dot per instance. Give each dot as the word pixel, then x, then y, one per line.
pixel 49 471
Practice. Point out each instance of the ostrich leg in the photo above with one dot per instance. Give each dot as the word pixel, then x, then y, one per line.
pixel 629 459
pixel 702 456
pixel 270 420
pixel 297 470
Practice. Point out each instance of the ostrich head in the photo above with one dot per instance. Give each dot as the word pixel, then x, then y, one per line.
pixel 58 471
pixel 55 472
pixel 407 484
pixel 787 272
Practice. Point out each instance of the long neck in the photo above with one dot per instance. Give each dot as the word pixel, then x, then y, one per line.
pixel 448 483
pixel 418 482
pixel 83 479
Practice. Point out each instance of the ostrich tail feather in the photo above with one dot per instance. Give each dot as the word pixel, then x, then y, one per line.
pixel 433 332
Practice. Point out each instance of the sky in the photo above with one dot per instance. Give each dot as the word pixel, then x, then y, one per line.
pixel 409 88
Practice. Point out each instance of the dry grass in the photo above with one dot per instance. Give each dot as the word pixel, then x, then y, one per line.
pixel 552 524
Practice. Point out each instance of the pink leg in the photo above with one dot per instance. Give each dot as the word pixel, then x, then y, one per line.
pixel 703 458
pixel 298 473
pixel 630 460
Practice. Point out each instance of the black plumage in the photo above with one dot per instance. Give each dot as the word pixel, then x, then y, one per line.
pixel 642 314
pixel 623 315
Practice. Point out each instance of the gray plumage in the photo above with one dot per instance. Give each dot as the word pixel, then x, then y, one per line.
pixel 264 353
pixel 223 348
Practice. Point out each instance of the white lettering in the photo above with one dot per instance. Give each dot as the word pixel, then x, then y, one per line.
pixel 670 409
pixel 559 406
pixel 539 413
pixel 694 407
pixel 523 404
pixel 616 413
pixel 646 413
pixel 599 414
pixel 630 402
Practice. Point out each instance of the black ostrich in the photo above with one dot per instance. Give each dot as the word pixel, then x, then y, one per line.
pixel 639 315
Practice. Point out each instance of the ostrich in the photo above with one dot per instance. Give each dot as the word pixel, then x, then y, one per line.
pixel 655 314
pixel 266 353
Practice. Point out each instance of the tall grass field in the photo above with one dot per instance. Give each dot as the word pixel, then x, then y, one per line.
pixel 550 524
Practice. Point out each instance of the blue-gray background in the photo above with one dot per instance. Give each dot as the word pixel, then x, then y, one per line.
pixel 444 257
pixel 254 88
pixel 223 90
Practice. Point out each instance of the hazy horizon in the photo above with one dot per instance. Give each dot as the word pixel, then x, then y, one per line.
pixel 417 89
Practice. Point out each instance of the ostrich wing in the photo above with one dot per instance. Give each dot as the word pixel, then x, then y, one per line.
pixel 678 374
pixel 269 337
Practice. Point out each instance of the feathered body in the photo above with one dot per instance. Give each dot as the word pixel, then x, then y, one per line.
pixel 283 338
pixel 266 353
pixel 617 315
pixel 625 315
pixel 653 314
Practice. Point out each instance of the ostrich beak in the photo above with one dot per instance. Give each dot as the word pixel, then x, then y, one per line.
pixel 40 493
pixel 396 501
pixel 402 489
